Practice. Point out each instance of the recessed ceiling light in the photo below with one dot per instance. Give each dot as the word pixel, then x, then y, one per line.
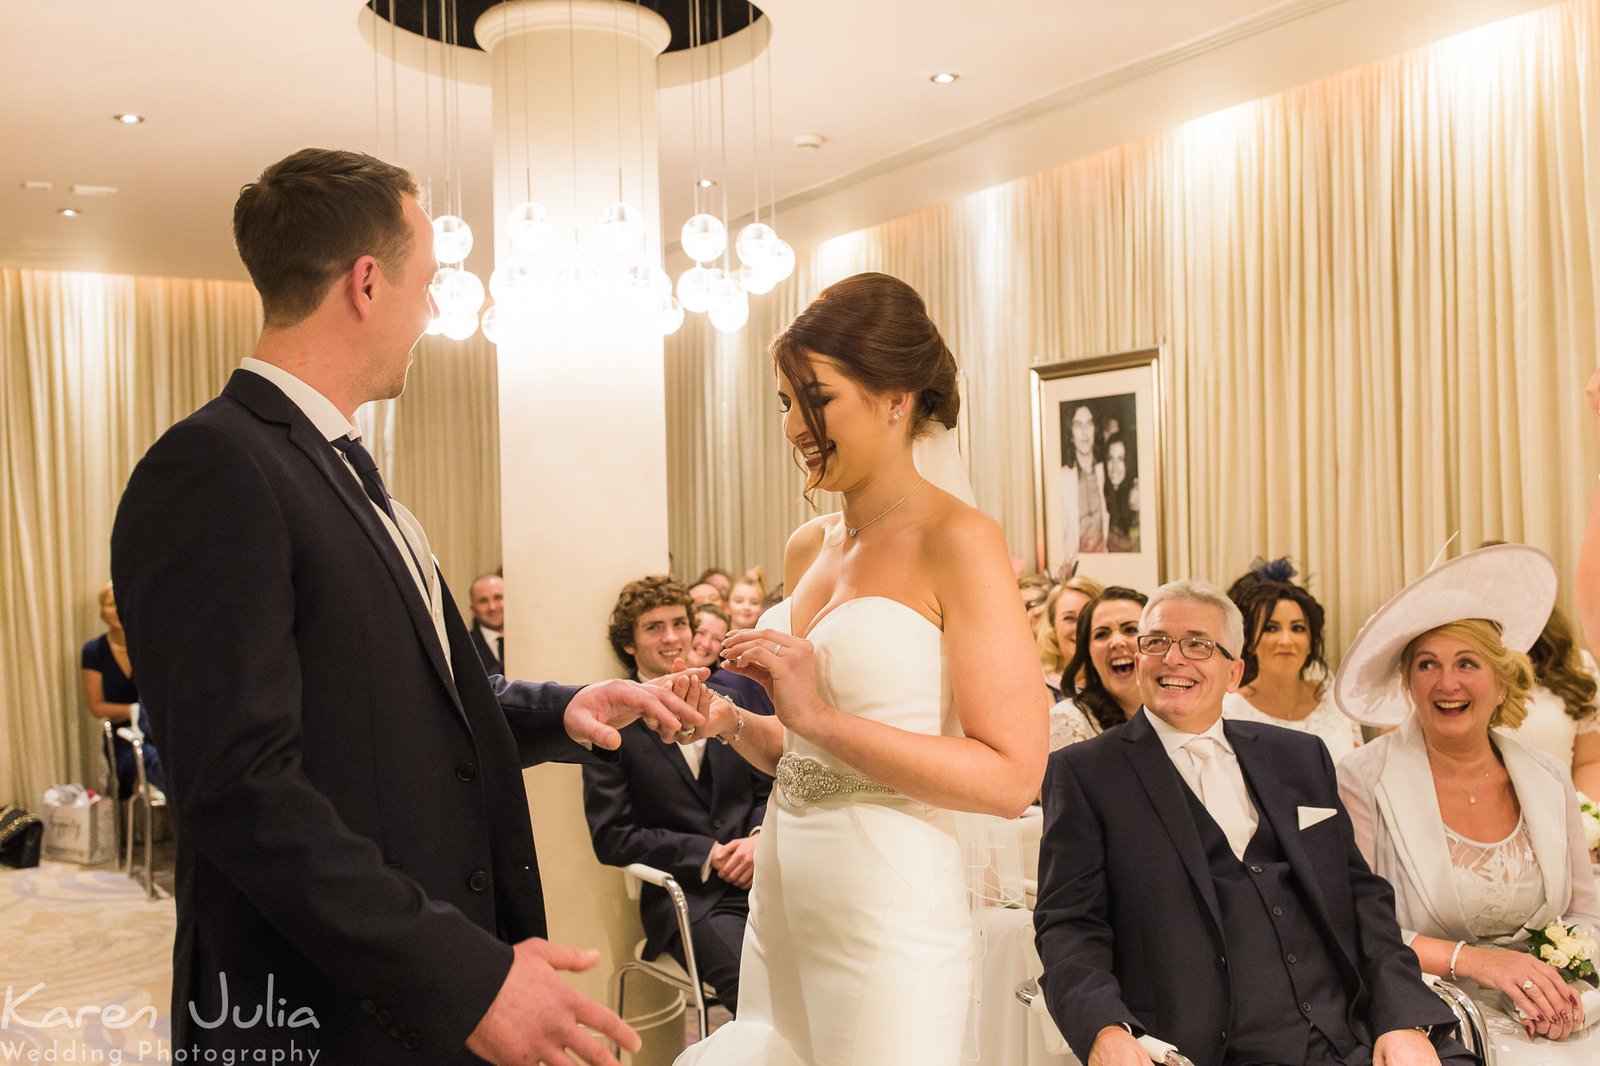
pixel 128 118
pixel 944 77
pixel 705 183
pixel 68 212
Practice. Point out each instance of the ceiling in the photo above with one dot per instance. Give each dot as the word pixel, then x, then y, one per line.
pixel 228 87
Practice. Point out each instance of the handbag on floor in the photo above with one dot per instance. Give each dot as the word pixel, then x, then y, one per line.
pixel 20 836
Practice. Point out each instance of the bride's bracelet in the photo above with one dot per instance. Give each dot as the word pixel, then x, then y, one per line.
pixel 738 716
pixel 1454 955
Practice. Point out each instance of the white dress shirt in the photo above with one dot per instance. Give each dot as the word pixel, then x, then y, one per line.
pixel 495 640
pixel 1175 740
pixel 409 539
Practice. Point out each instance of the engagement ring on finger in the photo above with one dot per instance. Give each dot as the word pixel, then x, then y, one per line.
pixel 687 734
pixel 777 649
pixel 1527 985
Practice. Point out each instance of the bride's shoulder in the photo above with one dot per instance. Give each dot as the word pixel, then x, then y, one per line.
pixel 805 544
pixel 961 541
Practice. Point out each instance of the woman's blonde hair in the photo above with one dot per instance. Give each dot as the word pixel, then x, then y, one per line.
pixel 1511 668
pixel 1051 655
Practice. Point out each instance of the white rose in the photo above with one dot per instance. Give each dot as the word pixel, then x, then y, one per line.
pixel 1591 830
pixel 1554 930
pixel 1568 946
pixel 1558 959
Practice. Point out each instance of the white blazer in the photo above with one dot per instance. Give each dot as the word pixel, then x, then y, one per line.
pixel 1388 789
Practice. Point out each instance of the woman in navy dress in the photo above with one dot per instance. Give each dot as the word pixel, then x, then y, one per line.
pixel 111 694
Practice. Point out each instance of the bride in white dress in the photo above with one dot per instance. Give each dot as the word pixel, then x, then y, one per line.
pixel 907 690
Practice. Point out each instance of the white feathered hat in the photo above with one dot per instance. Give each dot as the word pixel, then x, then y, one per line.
pixel 1511 585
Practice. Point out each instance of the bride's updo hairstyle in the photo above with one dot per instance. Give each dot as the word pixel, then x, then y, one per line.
pixel 877 329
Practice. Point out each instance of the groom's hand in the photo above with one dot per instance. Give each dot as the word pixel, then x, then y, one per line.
pixel 598 711
pixel 536 1017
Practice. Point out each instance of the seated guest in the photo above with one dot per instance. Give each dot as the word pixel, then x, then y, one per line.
pixel 744 603
pixel 1056 628
pixel 112 696
pixel 1284 680
pixel 1035 590
pixel 711 624
pixel 705 649
pixel 1200 884
pixel 1103 656
pixel 706 592
pixel 1563 720
pixel 720 579
pixel 488 599
pixel 1480 836
pixel 692 810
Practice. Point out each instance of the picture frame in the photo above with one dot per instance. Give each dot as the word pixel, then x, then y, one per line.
pixel 1104 512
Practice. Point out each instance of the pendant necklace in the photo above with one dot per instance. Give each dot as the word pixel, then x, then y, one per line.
pixel 854 531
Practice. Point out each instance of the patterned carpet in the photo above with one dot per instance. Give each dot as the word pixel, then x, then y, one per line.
pixel 85 967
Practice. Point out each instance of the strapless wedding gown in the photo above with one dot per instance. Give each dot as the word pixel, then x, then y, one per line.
pixel 859 950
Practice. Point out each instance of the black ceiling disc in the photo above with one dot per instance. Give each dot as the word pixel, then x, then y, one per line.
pixel 459 16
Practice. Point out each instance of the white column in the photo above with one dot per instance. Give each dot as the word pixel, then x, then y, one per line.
pixel 582 421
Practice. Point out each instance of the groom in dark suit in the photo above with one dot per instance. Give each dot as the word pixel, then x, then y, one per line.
pixel 356 877
pixel 692 810
pixel 1200 883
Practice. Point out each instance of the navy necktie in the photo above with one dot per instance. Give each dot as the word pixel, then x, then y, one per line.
pixel 365 468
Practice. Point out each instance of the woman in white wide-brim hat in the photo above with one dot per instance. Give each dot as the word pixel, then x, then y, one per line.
pixel 1480 836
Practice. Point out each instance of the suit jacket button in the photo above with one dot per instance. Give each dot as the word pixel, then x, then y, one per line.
pixel 368 1006
pixel 478 881
pixel 1306 1007
pixel 1277 912
pixel 412 1042
pixel 383 1017
pixel 1224 1036
pixel 1222 960
pixel 1255 869
pixel 397 1031
pixel 467 771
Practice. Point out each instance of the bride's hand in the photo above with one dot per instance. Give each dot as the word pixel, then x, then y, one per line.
pixel 784 665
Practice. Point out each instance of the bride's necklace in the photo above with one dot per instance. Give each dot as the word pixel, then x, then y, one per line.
pixel 854 531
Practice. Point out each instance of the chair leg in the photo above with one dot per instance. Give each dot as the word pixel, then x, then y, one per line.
pixel 622 980
pixel 149 850
pixel 125 860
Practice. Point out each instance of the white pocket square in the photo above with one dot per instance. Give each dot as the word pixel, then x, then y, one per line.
pixel 1310 816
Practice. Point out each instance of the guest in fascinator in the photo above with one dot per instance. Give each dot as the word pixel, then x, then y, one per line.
pixel 1285 680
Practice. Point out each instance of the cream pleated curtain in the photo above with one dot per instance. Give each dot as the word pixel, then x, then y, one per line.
pixel 1377 300
pixel 92 369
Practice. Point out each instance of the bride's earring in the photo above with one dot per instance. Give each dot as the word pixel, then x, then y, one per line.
pixel 896 416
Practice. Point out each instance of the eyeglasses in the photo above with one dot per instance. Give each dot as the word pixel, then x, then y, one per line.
pixel 1191 647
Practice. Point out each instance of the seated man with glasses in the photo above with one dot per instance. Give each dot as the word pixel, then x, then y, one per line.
pixel 1199 881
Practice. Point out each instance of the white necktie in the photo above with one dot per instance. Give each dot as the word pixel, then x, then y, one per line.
pixel 1220 794
pixel 694 754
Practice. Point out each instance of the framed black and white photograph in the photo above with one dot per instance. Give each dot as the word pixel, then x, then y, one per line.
pixel 1097 434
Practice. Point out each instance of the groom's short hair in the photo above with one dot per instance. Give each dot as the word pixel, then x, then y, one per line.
pixel 637 597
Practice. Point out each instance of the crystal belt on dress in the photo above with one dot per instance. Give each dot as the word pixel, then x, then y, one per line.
pixel 806 780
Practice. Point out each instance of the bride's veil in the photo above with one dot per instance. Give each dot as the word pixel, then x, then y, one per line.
pixel 991 847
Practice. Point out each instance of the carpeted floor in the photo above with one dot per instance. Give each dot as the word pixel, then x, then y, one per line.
pixel 85 967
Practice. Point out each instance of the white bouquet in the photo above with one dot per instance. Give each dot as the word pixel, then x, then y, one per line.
pixel 1569 948
pixel 1591 823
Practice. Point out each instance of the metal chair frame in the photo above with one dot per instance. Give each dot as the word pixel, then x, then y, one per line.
pixel 146 798
pixel 685 979
pixel 113 789
pixel 1472 1030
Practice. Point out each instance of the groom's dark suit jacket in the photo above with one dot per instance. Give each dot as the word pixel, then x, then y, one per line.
pixel 352 830
pixel 1128 922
